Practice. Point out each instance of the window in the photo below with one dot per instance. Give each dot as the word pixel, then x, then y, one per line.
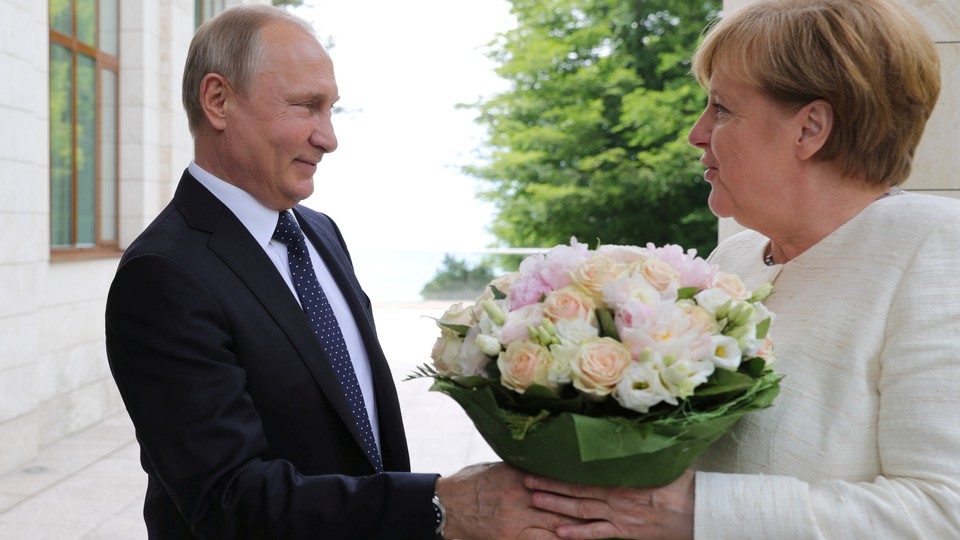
pixel 206 9
pixel 84 64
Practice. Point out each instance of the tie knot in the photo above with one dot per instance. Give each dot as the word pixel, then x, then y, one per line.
pixel 287 230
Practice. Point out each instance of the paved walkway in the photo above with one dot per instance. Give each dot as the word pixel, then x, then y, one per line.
pixel 90 486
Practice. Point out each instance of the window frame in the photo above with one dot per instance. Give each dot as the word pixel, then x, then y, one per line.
pixel 101 61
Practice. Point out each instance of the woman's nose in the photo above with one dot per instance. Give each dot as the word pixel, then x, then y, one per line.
pixel 699 135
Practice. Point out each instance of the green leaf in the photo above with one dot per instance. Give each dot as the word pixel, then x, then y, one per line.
pixel 686 293
pixel 725 382
pixel 460 329
pixel 763 327
pixel 754 367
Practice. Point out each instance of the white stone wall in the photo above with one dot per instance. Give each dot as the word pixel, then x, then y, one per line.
pixel 24 221
pixel 54 377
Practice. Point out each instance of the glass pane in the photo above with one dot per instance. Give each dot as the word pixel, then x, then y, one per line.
pixel 109 22
pixel 61 16
pixel 86 149
pixel 87 21
pixel 61 145
pixel 108 156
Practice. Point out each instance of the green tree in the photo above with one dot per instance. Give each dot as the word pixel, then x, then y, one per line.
pixel 590 141
pixel 457 280
pixel 291 3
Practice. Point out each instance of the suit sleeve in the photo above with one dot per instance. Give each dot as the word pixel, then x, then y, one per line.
pixel 171 353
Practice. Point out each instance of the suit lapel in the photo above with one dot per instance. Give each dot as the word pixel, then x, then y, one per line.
pixel 326 240
pixel 231 241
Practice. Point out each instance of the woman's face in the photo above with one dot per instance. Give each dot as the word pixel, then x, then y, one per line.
pixel 748 141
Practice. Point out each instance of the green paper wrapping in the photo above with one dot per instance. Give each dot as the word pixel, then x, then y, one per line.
pixel 609 451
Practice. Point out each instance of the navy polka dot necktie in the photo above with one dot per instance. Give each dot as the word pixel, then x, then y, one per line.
pixel 318 310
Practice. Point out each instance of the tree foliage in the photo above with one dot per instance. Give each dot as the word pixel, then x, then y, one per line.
pixel 457 280
pixel 590 141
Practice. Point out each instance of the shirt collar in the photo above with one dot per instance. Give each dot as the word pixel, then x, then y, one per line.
pixel 257 218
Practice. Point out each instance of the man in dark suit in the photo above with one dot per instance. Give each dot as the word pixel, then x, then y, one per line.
pixel 244 423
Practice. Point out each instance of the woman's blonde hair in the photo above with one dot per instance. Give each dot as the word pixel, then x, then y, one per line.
pixel 870 59
pixel 229 44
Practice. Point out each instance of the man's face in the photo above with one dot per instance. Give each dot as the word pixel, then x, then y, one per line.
pixel 276 135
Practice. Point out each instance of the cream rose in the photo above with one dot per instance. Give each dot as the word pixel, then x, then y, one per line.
pixel 598 365
pixel 730 284
pixel 594 272
pixel 502 284
pixel 660 274
pixel 459 314
pixel 524 364
pixel 445 352
pixel 569 304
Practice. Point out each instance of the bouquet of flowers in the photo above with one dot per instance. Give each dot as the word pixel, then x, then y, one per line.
pixel 614 366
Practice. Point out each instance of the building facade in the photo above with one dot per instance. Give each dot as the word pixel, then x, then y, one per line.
pixel 92 141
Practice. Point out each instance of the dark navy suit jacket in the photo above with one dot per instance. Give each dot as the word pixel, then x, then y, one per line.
pixel 243 428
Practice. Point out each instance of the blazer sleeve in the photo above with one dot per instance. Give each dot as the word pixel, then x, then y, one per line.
pixel 917 494
pixel 172 353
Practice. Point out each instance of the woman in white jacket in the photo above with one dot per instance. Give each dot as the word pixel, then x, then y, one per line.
pixel 815 110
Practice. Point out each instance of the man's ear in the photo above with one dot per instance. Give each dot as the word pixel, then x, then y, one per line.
pixel 214 90
pixel 816 124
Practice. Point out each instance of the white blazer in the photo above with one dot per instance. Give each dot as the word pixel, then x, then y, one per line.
pixel 864 439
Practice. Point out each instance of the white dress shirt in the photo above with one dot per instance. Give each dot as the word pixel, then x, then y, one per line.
pixel 261 222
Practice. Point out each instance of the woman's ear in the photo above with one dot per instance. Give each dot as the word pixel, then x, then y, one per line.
pixel 213 97
pixel 816 124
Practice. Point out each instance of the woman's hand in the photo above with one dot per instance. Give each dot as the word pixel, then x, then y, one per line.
pixel 663 513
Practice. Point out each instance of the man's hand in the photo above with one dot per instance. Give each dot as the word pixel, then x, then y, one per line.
pixel 489 501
